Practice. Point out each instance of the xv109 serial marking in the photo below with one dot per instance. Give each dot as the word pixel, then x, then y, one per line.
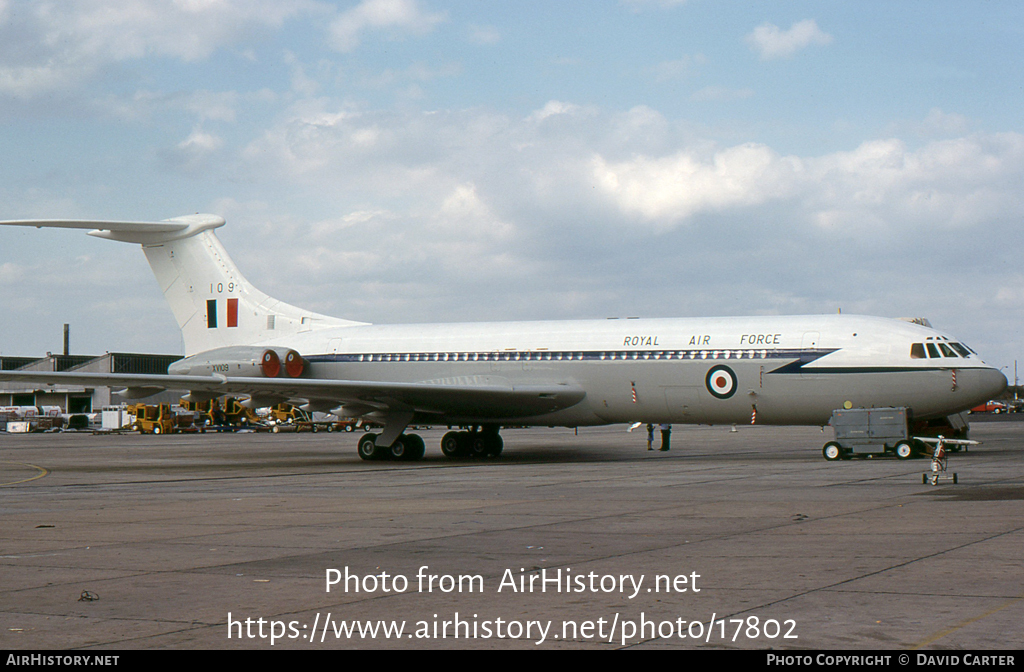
pixel 772 370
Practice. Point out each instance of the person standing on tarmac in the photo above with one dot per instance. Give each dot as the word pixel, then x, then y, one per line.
pixel 666 432
pixel 650 436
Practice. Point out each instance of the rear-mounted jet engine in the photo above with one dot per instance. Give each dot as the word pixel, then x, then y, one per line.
pixel 242 362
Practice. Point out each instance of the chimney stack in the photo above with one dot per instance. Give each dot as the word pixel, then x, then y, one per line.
pixel 67 340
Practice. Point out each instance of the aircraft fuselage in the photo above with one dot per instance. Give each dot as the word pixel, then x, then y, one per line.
pixel 768 370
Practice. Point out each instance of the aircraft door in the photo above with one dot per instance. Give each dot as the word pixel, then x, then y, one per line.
pixel 812 386
pixel 683 402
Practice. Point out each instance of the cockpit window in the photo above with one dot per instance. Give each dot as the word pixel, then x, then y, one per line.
pixel 964 352
pixel 939 349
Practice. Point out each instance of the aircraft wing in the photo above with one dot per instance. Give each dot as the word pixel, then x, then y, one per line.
pixel 488 398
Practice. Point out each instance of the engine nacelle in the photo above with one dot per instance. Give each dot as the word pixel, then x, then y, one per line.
pixel 241 362
pixel 294 364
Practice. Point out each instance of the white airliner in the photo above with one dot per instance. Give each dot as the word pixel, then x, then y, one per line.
pixel 762 370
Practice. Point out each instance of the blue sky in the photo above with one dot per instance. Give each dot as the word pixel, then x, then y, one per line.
pixel 422 160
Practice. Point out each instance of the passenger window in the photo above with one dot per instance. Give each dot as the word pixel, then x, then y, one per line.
pixel 917 351
pixel 946 350
pixel 933 352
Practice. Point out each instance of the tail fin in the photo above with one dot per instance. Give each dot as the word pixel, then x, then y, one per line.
pixel 214 304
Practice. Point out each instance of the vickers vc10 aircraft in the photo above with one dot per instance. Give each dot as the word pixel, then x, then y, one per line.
pixel 763 370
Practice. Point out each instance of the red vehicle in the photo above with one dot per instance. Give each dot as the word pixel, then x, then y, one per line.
pixel 990 407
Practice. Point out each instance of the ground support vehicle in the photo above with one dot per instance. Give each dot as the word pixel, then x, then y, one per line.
pixel 222 415
pixel 288 418
pixel 861 432
pixel 157 419
pixel 871 431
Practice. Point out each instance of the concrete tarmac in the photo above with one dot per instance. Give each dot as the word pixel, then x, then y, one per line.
pixel 135 541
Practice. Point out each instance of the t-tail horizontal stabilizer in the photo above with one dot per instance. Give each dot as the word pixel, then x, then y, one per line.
pixel 143 233
pixel 213 303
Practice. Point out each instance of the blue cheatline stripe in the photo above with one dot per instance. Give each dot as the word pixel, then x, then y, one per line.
pixel 803 356
pixel 800 358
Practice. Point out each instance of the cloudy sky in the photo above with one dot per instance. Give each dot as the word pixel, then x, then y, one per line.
pixel 443 160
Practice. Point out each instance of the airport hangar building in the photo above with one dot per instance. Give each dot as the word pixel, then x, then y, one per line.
pixel 79 399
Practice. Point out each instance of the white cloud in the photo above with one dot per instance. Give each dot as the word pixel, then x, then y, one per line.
pixel 668 190
pixel 638 162
pixel 404 15
pixel 949 185
pixel 195 153
pixel 770 42
pixel 201 143
pixel 48 46
pixel 556 108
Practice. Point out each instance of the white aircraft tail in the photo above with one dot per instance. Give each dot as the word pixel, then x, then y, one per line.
pixel 214 304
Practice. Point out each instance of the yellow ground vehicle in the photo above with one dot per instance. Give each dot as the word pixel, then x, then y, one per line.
pixel 288 417
pixel 225 412
pixel 153 419
pixel 237 415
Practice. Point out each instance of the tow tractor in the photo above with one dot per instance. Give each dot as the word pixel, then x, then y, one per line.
pixel 157 419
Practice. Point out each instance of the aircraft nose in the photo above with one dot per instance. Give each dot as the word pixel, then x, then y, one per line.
pixel 992 383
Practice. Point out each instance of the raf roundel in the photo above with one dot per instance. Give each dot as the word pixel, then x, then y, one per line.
pixel 721 382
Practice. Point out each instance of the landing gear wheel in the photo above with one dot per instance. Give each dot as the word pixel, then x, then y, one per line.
pixel 479 445
pixel 497 445
pixel 399 449
pixel 452 444
pixel 415 448
pixel 904 450
pixel 368 447
pixel 483 443
pixel 832 451
pixel 487 444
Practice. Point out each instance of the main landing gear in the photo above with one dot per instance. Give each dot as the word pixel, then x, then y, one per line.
pixel 484 442
pixel 407 447
pixel 481 442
